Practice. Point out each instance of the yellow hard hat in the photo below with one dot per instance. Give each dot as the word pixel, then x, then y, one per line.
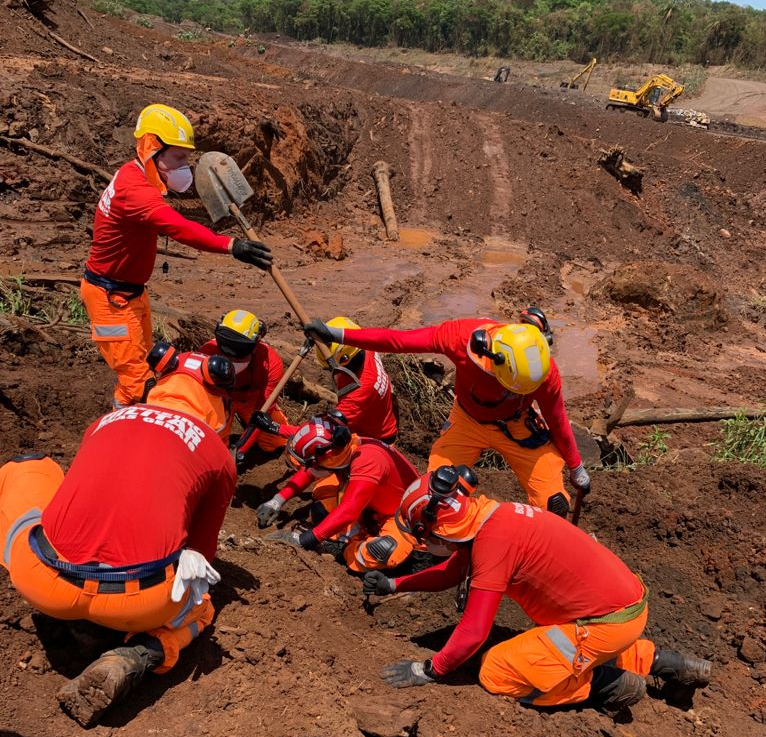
pixel 171 126
pixel 527 357
pixel 341 353
pixel 238 332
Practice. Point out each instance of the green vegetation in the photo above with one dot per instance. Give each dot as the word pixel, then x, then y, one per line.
pixel 145 22
pixel 109 7
pixel 13 300
pixel 744 440
pixel 651 449
pixel 77 315
pixel 192 34
pixel 655 31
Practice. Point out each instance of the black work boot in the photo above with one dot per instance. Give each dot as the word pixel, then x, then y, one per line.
pixel 107 681
pixel 684 669
pixel 334 548
pixel 614 689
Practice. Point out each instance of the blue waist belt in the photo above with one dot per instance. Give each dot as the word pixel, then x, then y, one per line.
pixel 112 285
pixel 95 571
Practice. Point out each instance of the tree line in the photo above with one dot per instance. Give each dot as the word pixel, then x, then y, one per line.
pixel 655 31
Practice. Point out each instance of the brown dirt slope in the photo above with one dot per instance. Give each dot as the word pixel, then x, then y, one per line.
pixel 502 204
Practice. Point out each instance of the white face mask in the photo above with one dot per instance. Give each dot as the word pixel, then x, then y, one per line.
pixel 438 548
pixel 179 180
pixel 240 366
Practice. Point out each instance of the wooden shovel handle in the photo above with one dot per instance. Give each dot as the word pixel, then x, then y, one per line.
pixel 284 287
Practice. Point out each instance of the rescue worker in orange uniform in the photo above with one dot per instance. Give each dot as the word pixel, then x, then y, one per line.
pixel 500 371
pixel 589 608
pixel 239 337
pixel 368 410
pixel 373 476
pixel 131 214
pixel 126 539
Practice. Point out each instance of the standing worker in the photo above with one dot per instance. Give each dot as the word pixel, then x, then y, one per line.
pixel 127 538
pixel 500 370
pixel 131 214
pixel 589 609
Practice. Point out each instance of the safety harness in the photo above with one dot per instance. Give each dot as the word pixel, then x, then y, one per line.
pixel 124 289
pixel 80 572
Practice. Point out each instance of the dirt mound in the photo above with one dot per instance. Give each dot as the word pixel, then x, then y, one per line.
pixel 684 293
pixel 502 184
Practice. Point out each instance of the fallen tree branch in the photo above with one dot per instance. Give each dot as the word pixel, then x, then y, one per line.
pixel 667 415
pixel 69 46
pixel 85 18
pixel 381 173
pixel 52 153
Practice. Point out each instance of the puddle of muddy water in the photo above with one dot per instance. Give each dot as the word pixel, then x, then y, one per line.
pixel 577 359
pixel 416 237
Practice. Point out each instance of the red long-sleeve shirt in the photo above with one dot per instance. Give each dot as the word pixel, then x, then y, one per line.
pixel 131 214
pixel 369 408
pixel 145 482
pixel 256 377
pixel 479 393
pixel 553 570
pixel 378 477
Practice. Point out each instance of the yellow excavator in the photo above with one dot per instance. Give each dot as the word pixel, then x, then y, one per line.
pixel 651 98
pixel 571 84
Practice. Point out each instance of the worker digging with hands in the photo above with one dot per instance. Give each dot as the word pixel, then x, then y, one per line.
pixel 258 367
pixel 130 216
pixel 359 518
pixel 589 609
pixel 501 369
pixel 126 539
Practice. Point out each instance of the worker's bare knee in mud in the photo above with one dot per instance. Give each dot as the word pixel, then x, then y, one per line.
pixel 381 548
pixel 558 504
pixel 318 512
pixel 29 457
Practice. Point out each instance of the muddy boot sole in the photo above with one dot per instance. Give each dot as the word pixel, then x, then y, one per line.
pixel 88 696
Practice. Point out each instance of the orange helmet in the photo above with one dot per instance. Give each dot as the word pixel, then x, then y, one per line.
pixel 324 442
pixel 440 503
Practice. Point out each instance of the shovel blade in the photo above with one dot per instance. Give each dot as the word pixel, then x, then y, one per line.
pixel 220 183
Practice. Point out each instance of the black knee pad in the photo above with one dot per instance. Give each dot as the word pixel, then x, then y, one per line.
pixel 558 504
pixel 381 548
pixel 29 457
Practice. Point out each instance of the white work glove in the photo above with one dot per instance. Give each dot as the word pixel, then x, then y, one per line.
pixel 580 479
pixel 268 512
pixel 195 573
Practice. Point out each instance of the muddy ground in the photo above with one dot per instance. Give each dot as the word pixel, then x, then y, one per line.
pixel 501 204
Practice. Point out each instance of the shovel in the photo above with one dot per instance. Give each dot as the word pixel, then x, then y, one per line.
pixel 579 496
pixel 223 189
pixel 250 435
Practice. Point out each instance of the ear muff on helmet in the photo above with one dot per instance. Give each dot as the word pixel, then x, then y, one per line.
pixel 218 372
pixel 442 483
pixel 535 316
pixel 481 345
pixel 162 358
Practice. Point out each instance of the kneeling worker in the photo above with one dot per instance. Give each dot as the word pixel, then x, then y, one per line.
pixel 126 539
pixel 589 608
pixel 371 478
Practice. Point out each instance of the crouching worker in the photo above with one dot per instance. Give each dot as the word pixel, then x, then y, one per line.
pixel 258 367
pixel 589 608
pixel 356 511
pixel 127 537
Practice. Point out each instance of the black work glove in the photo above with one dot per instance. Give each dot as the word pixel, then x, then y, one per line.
pixel 254 253
pixel 262 421
pixel 407 673
pixel 378 583
pixel 317 330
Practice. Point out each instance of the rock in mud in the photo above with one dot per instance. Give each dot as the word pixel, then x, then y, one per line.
pixel 383 717
pixel 751 650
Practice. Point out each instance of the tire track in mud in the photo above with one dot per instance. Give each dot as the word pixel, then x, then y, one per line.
pixel 421 159
pixel 494 150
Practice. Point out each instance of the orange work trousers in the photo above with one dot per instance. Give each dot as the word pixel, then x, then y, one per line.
pixel 328 492
pixel 122 330
pixel 463 440
pixel 25 490
pixel 553 665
